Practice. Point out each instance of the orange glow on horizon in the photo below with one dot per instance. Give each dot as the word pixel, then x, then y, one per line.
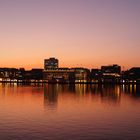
pixel 80 34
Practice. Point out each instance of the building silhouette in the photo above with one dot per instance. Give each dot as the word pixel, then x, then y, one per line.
pixel 51 63
pixel 52 73
pixel 58 75
pixel 111 74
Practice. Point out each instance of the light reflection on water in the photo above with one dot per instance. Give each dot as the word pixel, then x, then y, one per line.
pixel 69 111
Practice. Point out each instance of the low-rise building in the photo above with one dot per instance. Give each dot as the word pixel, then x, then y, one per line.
pixel 95 75
pixel 82 75
pixel 59 75
pixel 111 74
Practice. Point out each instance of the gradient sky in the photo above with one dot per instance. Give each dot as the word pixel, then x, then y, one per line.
pixel 80 33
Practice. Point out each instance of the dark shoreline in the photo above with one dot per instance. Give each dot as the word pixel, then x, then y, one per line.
pixel 44 82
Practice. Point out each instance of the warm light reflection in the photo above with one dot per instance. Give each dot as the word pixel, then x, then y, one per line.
pixel 54 96
pixel 39 108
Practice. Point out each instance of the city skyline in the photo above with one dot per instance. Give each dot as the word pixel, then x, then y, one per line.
pixel 82 33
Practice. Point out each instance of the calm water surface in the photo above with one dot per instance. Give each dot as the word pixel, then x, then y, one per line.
pixel 69 112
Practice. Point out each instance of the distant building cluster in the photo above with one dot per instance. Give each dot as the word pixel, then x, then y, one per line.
pixel 52 73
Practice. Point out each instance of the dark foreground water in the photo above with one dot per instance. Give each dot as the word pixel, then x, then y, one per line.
pixel 69 112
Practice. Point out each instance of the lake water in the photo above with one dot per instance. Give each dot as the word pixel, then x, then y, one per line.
pixel 69 112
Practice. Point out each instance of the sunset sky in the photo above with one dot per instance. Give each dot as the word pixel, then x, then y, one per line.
pixel 80 33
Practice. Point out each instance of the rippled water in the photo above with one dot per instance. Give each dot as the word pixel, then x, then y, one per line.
pixel 69 112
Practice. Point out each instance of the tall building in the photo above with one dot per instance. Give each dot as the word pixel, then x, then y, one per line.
pixel 51 63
